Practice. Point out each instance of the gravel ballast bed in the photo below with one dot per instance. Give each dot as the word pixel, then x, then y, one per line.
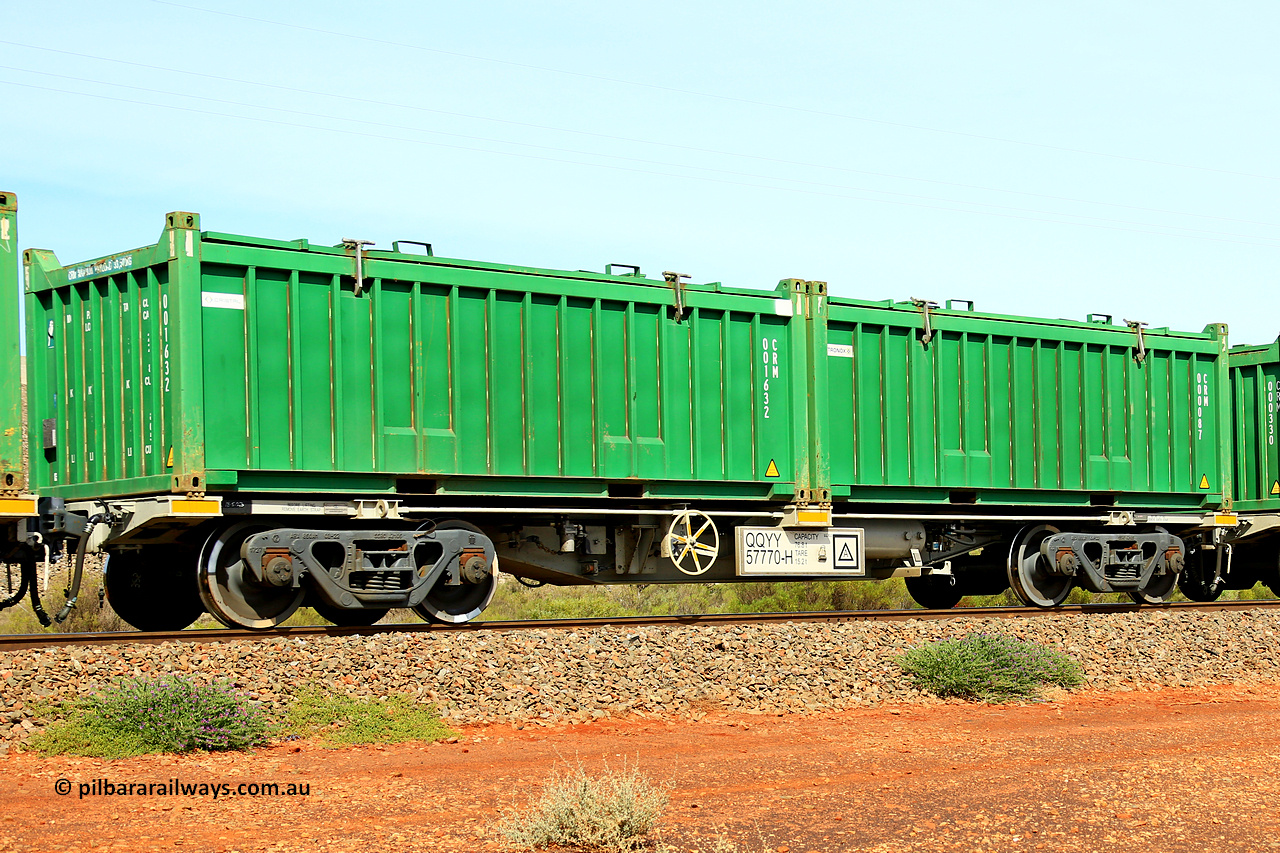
pixel 560 676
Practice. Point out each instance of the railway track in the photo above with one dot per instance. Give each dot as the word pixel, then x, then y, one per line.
pixel 207 635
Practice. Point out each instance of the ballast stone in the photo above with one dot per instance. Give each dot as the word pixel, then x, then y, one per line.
pixel 554 677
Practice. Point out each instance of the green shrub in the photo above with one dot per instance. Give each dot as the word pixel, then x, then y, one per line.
pixel 166 715
pixel 989 668
pixel 343 719
pixel 611 812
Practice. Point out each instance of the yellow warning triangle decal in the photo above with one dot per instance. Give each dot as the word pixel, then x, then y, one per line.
pixel 772 470
pixel 170 462
pixel 1204 481
pixel 1275 488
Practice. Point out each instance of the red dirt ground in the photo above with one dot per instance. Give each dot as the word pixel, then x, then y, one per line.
pixel 1167 770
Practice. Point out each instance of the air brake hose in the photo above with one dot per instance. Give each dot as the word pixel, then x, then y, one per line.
pixel 22 589
pixel 27 573
pixel 73 594
pixel 29 578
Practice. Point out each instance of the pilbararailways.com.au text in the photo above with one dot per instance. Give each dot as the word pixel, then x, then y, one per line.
pixel 179 788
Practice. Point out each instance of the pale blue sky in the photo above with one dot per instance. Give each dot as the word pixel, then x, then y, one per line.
pixel 1045 159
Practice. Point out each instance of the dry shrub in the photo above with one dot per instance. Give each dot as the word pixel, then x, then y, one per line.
pixel 614 812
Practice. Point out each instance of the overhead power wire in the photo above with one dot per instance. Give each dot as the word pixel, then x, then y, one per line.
pixel 642 161
pixel 1169 231
pixel 721 97
pixel 617 138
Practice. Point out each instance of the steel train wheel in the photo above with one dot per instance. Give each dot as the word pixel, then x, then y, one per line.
pixel 453 605
pixel 1029 573
pixel 935 592
pixel 155 589
pixel 230 593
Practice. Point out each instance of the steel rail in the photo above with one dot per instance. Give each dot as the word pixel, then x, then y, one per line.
pixel 17 642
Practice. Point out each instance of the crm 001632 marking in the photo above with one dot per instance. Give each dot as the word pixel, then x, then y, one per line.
pixel 769 350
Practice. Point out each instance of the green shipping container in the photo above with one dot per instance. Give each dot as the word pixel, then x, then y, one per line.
pixel 12 469
pixel 1255 371
pixel 232 364
pixel 989 409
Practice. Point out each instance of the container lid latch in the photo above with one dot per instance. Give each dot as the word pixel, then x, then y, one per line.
pixel 1137 326
pixel 925 305
pixel 358 246
pixel 677 285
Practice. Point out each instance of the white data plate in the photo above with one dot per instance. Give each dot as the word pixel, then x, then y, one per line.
pixel 800 551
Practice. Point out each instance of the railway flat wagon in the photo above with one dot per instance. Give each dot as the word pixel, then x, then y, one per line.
pixel 246 425
pixel 211 387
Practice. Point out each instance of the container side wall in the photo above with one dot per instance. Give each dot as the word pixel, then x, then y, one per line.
pixel 102 372
pixel 1255 385
pixel 475 380
pixel 226 368
pixel 1000 410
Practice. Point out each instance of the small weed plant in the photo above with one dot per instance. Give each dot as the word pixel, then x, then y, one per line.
pixel 343 720
pixel 171 714
pixel 613 812
pixel 989 668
